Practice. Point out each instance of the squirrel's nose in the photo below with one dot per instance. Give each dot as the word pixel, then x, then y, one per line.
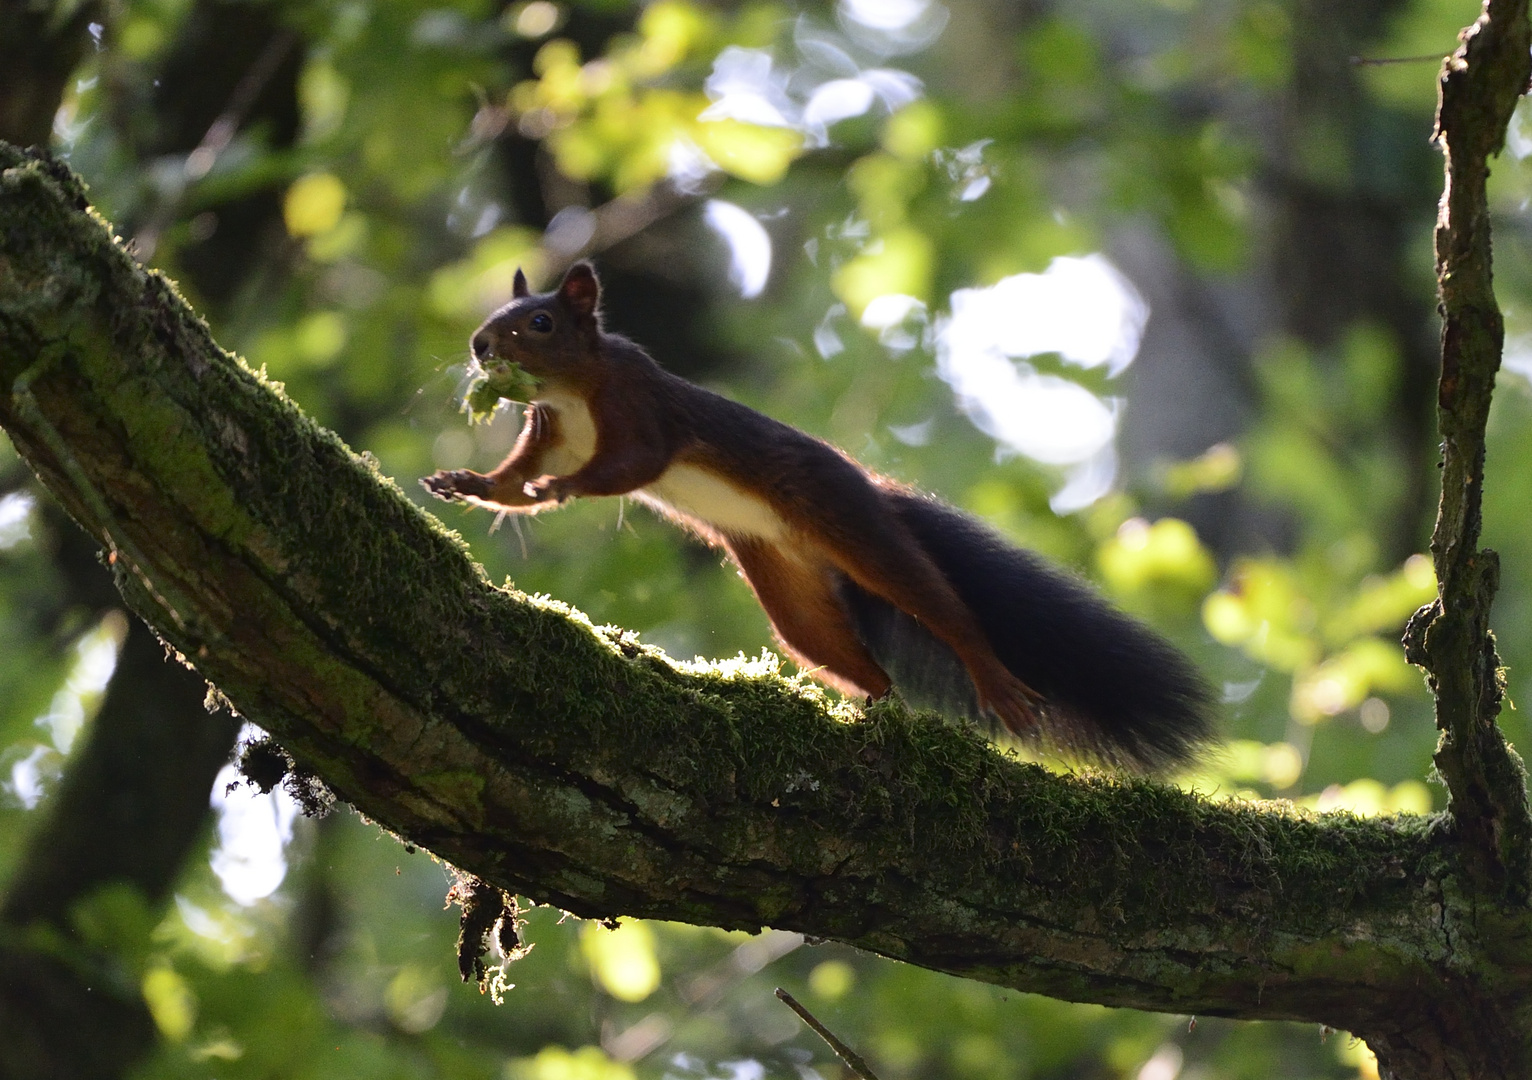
pixel 481 346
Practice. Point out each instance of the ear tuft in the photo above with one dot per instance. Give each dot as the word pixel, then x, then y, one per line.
pixel 580 291
pixel 519 286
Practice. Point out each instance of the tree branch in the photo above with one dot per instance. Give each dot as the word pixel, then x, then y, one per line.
pixel 1480 85
pixel 580 768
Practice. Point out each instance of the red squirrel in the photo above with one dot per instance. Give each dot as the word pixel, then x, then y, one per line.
pixel 868 584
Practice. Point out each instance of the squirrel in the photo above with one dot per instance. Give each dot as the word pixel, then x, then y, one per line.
pixel 869 584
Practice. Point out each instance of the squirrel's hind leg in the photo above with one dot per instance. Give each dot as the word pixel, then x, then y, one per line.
pixel 885 559
pixel 800 596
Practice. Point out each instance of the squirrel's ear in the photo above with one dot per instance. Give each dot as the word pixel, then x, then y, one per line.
pixel 580 290
pixel 519 286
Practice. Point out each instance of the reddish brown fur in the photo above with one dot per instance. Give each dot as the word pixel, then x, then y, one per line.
pixel 505 486
pixel 806 613
pixel 836 514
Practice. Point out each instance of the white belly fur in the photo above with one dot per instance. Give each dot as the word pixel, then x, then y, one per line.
pixel 707 497
pixel 693 492
pixel 577 433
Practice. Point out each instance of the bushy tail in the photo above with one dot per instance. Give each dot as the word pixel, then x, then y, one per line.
pixel 1115 690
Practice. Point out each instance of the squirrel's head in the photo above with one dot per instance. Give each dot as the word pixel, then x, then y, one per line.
pixel 555 336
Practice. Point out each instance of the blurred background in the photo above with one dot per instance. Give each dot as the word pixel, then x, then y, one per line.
pixel 1147 284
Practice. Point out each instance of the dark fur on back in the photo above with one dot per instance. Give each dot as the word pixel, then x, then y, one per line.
pixel 1116 691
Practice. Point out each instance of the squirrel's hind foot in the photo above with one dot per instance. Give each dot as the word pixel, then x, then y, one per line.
pixel 1014 704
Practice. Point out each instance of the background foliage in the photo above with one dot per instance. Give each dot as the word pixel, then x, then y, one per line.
pixel 345 188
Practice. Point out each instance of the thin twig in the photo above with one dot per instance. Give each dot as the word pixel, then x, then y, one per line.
pixel 615 221
pixel 1480 86
pixel 1368 61
pixel 852 1059
pixel 216 139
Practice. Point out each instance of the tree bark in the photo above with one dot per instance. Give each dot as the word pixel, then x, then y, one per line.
pixel 134 802
pixel 1480 86
pixel 575 766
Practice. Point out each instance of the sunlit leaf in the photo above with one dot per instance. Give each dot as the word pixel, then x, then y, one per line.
pixel 171 1002
pixel 1166 553
pixel 623 960
pixel 585 1063
pixel 314 204
pixel 749 151
pixel 899 261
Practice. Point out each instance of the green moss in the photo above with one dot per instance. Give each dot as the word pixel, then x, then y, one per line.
pixel 460 789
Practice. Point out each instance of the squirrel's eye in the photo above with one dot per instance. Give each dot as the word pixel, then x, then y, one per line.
pixel 542 322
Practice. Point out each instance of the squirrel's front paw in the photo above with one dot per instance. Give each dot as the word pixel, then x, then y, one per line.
pixel 456 483
pixel 546 489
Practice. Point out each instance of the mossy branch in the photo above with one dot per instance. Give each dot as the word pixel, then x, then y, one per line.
pixel 574 766
pixel 1480 85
